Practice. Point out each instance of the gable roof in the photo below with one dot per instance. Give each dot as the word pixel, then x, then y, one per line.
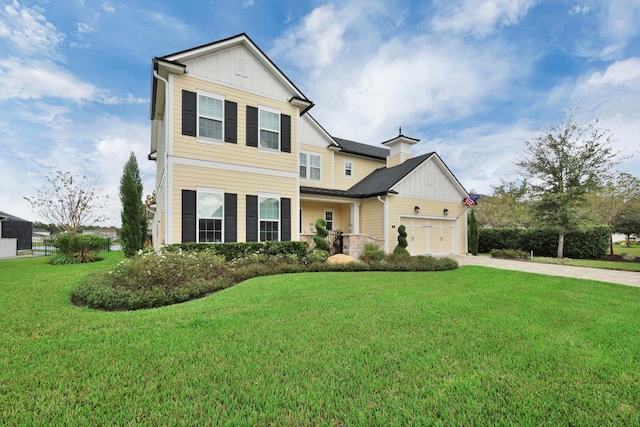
pixel 245 40
pixel 381 180
pixel 360 149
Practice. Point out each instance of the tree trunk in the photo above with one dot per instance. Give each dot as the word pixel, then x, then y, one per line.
pixel 561 243
pixel 610 244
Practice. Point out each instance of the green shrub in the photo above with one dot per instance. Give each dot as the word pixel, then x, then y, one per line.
pixel 401 247
pixel 81 246
pixel 372 253
pixel 61 259
pixel 239 250
pixel 315 256
pixel 509 254
pixel 150 280
pixel 320 238
pixel 580 244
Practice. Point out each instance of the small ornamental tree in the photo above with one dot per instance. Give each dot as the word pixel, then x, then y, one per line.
pixel 474 234
pixel 401 247
pixel 134 227
pixel 69 201
pixel 320 238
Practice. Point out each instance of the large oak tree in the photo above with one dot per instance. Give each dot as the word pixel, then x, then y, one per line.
pixel 563 164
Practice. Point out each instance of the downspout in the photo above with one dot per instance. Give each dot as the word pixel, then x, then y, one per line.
pixel 166 157
pixel 386 241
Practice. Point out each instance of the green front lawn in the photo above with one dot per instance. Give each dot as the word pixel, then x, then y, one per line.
pixel 631 250
pixel 474 346
pixel 593 263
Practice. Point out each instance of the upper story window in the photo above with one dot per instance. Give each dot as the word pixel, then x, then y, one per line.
pixel 210 116
pixel 210 214
pixel 348 168
pixel 310 166
pixel 269 126
pixel 269 217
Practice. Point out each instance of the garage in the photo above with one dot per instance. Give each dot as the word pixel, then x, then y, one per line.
pixel 430 236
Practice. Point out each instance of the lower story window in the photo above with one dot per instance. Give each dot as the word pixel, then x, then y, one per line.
pixel 269 214
pixel 328 217
pixel 210 213
pixel 210 230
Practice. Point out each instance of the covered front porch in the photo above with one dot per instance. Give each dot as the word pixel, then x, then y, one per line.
pixel 342 215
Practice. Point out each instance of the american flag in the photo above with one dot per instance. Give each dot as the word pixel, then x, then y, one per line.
pixel 471 200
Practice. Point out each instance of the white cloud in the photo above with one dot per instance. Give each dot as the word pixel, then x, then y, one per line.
pixel 579 9
pixel 28 30
pixel 619 73
pixel 247 3
pixel 479 17
pixel 83 28
pixel 618 25
pixel 35 79
pixel 317 40
pixel 107 7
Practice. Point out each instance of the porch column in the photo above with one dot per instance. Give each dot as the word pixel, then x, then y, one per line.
pixel 355 218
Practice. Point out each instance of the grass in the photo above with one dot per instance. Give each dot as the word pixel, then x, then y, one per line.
pixel 609 265
pixel 474 346
pixel 631 250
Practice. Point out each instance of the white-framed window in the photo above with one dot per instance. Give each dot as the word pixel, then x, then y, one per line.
pixel 348 168
pixel 210 116
pixel 269 126
pixel 310 166
pixel 328 217
pixel 210 209
pixel 269 217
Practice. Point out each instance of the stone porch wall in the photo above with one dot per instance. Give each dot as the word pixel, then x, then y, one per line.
pixel 353 244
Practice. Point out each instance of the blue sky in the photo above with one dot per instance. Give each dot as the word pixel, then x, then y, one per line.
pixel 472 79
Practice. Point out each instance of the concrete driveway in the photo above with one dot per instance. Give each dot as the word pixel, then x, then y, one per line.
pixel 629 278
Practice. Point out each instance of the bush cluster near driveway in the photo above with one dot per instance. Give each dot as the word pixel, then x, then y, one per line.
pixel 472 346
pixel 153 280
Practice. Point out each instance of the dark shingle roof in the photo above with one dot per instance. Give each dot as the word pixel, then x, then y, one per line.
pixel 361 149
pixel 11 217
pixel 377 183
pixel 381 180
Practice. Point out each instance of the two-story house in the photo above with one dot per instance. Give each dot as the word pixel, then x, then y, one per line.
pixel 239 159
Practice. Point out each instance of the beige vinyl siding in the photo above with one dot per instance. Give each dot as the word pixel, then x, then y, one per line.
pixel 372 218
pixel 242 184
pixel 189 147
pixel 361 168
pixel 429 210
pixel 311 211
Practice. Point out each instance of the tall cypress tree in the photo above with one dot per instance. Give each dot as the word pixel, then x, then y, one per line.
pixel 474 236
pixel 134 227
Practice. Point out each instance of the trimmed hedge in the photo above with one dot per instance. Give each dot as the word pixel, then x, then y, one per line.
pixel 234 251
pixel 590 243
pixel 71 243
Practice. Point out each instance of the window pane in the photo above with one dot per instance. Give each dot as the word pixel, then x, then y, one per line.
pixel 303 159
pixel 210 128
pixel 269 208
pixel 268 231
pixel 210 230
pixel 315 161
pixel 210 107
pixel 315 173
pixel 210 205
pixel 303 171
pixel 269 121
pixel 269 139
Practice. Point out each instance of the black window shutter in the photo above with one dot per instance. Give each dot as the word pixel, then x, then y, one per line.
pixel 252 218
pixel 231 122
pixel 285 133
pixel 252 126
pixel 189 116
pixel 285 219
pixel 230 217
pixel 188 216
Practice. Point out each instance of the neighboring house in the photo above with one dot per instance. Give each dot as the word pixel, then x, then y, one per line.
pixel 239 159
pixel 108 232
pixel 15 234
